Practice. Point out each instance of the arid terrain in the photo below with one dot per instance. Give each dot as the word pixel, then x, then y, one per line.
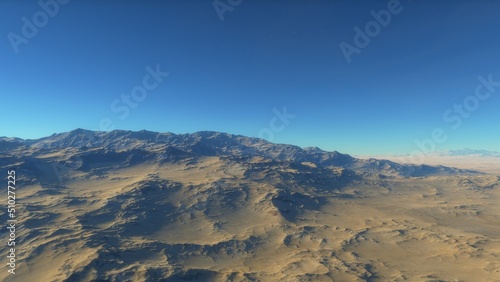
pixel 146 206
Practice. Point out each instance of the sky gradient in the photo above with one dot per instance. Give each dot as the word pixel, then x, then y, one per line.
pixel 228 75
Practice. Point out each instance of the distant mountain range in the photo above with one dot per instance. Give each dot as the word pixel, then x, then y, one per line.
pixel 469 152
pixel 147 146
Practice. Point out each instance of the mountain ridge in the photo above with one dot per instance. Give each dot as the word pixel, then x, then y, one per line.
pixel 211 143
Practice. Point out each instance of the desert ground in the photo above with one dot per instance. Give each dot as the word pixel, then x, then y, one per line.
pixel 219 218
pixel 209 222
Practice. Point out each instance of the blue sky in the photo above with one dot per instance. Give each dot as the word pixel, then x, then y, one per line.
pixel 228 75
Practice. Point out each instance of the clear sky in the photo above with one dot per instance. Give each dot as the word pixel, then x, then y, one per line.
pixel 66 66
